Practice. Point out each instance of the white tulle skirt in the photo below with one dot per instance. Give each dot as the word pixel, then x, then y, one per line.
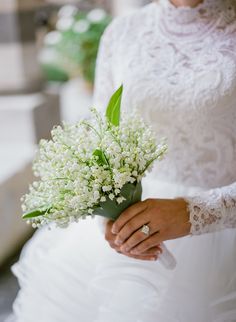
pixel 73 275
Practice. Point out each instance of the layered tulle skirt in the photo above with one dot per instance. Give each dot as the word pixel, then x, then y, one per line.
pixel 73 275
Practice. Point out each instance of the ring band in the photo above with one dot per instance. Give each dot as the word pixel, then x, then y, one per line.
pixel 146 230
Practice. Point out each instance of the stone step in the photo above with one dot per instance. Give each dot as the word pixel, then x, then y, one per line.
pixel 15 175
pixel 24 119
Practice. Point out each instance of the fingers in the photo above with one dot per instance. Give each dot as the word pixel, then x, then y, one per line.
pixel 154 251
pixel 108 231
pixel 150 254
pixel 134 239
pixel 127 215
pixel 147 244
pixel 133 227
pixel 109 225
pixel 137 238
pixel 109 236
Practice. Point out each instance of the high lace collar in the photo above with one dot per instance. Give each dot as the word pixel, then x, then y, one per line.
pixel 206 8
pixel 185 21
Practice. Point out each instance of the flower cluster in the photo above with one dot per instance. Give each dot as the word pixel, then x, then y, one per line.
pixel 87 164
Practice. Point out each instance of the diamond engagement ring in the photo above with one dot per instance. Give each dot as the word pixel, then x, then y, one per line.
pixel 146 230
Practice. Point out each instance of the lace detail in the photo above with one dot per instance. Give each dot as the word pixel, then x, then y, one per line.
pixel 213 210
pixel 196 22
pixel 178 67
pixel 104 80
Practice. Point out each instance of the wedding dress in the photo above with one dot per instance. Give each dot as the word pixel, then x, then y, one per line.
pixel 178 67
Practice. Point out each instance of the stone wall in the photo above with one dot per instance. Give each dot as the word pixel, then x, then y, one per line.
pixel 18 54
pixel 27 113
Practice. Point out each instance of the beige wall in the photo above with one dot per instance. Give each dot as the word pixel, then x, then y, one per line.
pixel 126 6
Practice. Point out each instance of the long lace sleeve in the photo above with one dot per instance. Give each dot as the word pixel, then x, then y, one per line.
pixel 104 86
pixel 106 65
pixel 213 210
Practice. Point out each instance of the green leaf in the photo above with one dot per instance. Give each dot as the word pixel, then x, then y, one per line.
pixel 113 108
pixel 102 160
pixel 36 213
pixel 111 209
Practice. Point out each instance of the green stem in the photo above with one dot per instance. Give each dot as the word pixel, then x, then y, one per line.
pixel 92 128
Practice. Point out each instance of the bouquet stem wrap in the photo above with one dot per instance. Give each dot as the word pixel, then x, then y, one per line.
pixel 110 209
pixel 166 258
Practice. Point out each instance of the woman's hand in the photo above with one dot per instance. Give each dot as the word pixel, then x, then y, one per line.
pixel 150 254
pixel 166 218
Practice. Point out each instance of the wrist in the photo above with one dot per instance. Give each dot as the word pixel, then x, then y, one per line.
pixel 184 214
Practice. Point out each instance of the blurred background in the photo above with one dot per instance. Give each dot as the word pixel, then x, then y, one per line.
pixel 48 52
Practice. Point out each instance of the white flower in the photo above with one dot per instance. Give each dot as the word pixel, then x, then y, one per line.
pixel 111 196
pixel 81 26
pixel 96 15
pixel 96 194
pixel 120 200
pixel 52 38
pixel 64 24
pixel 103 199
pixel 67 11
pixel 106 188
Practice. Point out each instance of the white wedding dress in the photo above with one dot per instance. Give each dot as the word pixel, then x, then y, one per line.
pixel 178 67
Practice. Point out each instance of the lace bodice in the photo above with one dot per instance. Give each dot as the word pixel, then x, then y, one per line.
pixel 178 67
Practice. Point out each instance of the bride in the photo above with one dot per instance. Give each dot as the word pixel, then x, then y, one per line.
pixel 177 61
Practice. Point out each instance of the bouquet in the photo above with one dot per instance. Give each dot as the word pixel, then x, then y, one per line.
pixel 92 168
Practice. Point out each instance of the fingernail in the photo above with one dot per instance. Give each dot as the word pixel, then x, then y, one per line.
pixel 118 242
pixel 124 249
pixel 114 230
pixel 134 252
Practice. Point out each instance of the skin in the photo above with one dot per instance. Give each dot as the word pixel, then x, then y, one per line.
pixel 167 218
pixel 186 3
pixel 150 254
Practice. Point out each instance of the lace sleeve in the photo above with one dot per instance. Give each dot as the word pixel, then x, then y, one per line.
pixel 106 70
pixel 104 86
pixel 213 210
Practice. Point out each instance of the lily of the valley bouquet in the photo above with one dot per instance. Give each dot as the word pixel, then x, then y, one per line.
pixel 91 168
